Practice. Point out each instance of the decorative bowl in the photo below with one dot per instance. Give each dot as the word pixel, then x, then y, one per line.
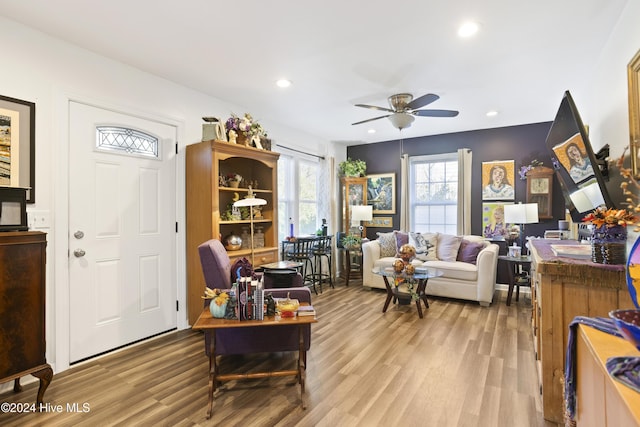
pixel 232 242
pixel 287 306
pixel 628 324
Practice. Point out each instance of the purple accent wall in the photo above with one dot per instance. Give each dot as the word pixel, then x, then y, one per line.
pixel 519 143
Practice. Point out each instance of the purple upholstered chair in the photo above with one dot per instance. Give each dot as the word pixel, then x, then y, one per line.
pixel 216 267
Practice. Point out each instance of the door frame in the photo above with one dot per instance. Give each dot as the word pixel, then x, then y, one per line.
pixel 58 297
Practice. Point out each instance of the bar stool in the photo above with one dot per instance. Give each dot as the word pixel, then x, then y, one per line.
pixel 301 250
pixel 322 249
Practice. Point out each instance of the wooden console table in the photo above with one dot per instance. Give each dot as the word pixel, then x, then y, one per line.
pixel 207 322
pixel 561 289
pixel 601 400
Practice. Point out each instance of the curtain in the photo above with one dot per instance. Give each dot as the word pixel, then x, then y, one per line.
pixel 405 222
pixel 464 191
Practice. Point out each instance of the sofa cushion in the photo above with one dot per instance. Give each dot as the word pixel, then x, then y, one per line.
pixel 425 245
pixel 447 248
pixel 455 270
pixel 402 238
pixel 469 251
pixel 387 243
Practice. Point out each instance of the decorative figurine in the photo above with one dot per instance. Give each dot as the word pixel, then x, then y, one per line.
pixel 232 136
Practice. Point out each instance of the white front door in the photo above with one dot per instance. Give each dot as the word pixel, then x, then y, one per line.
pixel 121 229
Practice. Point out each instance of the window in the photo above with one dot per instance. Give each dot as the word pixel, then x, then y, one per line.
pixel 124 140
pixel 297 195
pixel 433 195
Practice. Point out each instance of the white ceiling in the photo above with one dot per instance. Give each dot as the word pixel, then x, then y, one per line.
pixel 339 53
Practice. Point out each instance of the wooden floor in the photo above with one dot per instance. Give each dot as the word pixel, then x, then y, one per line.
pixel 462 365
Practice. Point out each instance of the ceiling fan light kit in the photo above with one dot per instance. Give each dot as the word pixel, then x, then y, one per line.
pixel 401 120
pixel 404 109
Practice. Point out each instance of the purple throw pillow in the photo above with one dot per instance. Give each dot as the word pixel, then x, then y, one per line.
pixel 469 251
pixel 402 238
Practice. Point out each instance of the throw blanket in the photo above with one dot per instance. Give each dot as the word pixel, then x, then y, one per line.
pixel 603 324
pixel 626 370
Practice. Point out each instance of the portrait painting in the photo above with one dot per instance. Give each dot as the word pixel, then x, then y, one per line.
pixel 572 155
pixel 493 225
pixel 498 180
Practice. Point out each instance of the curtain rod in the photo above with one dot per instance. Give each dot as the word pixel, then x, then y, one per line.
pixel 301 152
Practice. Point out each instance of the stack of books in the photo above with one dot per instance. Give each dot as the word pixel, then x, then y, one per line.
pixel 306 310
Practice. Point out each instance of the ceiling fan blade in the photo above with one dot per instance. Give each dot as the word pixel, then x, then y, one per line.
pixel 370 120
pixel 373 107
pixel 435 113
pixel 422 101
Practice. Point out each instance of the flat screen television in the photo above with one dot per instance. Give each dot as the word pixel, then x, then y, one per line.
pixel 575 163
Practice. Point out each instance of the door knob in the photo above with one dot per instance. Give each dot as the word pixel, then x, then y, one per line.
pixel 78 234
pixel 79 253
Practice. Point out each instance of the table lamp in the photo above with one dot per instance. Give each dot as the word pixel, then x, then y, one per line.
pixel 361 213
pixel 250 200
pixel 522 214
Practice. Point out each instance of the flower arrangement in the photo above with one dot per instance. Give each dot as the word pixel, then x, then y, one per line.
pixel 233 177
pixel 525 169
pixel 245 125
pixel 216 295
pixel 610 217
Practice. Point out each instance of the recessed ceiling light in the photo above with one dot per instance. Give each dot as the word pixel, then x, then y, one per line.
pixel 468 29
pixel 492 113
pixel 283 83
pixel 371 131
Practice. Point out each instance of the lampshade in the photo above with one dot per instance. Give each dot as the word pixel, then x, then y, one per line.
pixel 249 201
pixel 361 213
pixel 522 213
pixel 401 120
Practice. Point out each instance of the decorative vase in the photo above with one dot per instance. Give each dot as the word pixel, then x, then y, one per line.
pixel 609 244
pixel 242 139
pixel 633 273
pixel 234 183
pixel 216 310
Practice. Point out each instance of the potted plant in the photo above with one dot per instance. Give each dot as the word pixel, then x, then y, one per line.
pixel 352 168
pixel 351 242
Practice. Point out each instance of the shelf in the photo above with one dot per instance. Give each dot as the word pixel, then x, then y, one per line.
pixel 242 189
pixel 247 221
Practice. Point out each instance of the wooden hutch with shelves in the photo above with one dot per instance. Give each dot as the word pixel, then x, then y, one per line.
pixel 207 201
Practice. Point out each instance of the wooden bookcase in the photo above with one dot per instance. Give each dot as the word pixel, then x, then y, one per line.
pixel 207 200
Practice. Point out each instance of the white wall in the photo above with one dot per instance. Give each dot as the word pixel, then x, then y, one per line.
pixel 47 71
pixel 604 102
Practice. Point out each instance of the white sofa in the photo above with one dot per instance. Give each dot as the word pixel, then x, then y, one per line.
pixel 461 280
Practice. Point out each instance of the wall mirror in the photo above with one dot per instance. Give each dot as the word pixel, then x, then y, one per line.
pixel 633 74
pixel 575 163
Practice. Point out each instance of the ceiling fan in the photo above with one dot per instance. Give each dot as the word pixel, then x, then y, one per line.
pixel 404 108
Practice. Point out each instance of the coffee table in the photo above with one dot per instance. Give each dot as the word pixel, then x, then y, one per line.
pixel 422 275
pixel 207 322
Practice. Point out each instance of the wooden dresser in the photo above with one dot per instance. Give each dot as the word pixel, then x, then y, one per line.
pixel 22 308
pixel 601 400
pixel 561 290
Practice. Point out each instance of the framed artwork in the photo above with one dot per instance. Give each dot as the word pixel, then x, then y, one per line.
pixel 633 75
pixel 572 155
pixel 497 180
pixel 18 144
pixel 381 193
pixel 380 221
pixel 493 225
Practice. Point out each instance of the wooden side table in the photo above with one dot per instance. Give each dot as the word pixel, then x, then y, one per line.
pixel 352 269
pixel 207 322
pixel 515 278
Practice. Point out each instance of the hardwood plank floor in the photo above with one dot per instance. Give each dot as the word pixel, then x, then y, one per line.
pixel 462 365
